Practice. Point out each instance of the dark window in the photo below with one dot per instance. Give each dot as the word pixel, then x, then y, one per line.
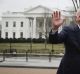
pixel 6 34
pixel 7 24
pixel 49 23
pixel 21 34
pixel 14 24
pixel 30 23
pixel 40 35
pixel 21 24
pixel 40 24
pixel 14 34
pixel 0 34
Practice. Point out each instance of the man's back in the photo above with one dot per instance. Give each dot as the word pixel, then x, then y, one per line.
pixel 70 36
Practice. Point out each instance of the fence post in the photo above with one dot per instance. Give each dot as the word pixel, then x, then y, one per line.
pixel 26 56
pixel 3 55
pixel 49 56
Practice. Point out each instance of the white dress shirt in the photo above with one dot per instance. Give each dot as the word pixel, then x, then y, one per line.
pixel 79 26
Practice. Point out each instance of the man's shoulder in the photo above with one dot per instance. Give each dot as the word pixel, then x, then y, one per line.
pixel 69 27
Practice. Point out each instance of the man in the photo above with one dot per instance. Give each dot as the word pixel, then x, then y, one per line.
pixel 70 36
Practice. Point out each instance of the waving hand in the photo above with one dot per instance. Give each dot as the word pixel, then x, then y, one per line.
pixel 57 21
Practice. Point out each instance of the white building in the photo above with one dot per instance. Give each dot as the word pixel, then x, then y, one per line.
pixel 0 29
pixel 32 23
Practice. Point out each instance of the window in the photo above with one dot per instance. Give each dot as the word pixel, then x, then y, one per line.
pixel 30 23
pixel 40 24
pixel 14 34
pixel 49 23
pixel 6 34
pixel 7 24
pixel 40 35
pixel 0 34
pixel 21 24
pixel 14 24
pixel 21 34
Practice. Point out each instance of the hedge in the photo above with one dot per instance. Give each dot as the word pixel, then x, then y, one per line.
pixel 22 40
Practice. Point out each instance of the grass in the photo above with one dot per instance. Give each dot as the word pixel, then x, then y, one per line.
pixel 36 47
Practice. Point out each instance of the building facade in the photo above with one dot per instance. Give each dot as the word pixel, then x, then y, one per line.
pixel 32 23
pixel 0 29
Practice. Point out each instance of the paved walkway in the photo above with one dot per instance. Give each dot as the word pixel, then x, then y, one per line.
pixel 36 62
pixel 6 70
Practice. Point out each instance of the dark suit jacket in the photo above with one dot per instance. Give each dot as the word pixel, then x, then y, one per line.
pixel 70 36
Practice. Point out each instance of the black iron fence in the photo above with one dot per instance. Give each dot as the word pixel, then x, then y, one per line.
pixel 27 55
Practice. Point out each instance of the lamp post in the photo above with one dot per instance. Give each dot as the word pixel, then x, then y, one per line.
pixel 46 20
pixel 31 31
pixel 10 46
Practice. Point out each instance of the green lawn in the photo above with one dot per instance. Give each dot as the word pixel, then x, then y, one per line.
pixel 36 47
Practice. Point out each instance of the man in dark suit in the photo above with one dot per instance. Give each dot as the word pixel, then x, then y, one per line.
pixel 70 36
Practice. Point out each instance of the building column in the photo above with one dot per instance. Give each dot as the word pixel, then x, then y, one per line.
pixel 34 27
pixel 27 28
pixel 31 26
pixel 44 27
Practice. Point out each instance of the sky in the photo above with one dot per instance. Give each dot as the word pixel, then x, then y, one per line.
pixel 20 5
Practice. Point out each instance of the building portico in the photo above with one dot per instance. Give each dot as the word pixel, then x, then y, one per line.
pixel 32 23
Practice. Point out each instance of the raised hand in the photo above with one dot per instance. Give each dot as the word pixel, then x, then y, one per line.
pixel 77 17
pixel 57 21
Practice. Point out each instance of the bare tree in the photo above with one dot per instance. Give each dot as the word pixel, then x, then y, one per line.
pixel 46 17
pixel 76 4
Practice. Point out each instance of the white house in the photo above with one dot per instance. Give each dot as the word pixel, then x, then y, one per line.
pixel 0 29
pixel 31 23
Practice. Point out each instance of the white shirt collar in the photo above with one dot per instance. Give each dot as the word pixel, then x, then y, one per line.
pixel 79 26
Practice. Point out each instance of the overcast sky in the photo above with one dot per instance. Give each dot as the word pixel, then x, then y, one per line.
pixel 19 5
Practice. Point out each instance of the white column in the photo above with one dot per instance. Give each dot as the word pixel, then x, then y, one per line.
pixel 34 27
pixel 31 27
pixel 27 28
pixel 44 27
